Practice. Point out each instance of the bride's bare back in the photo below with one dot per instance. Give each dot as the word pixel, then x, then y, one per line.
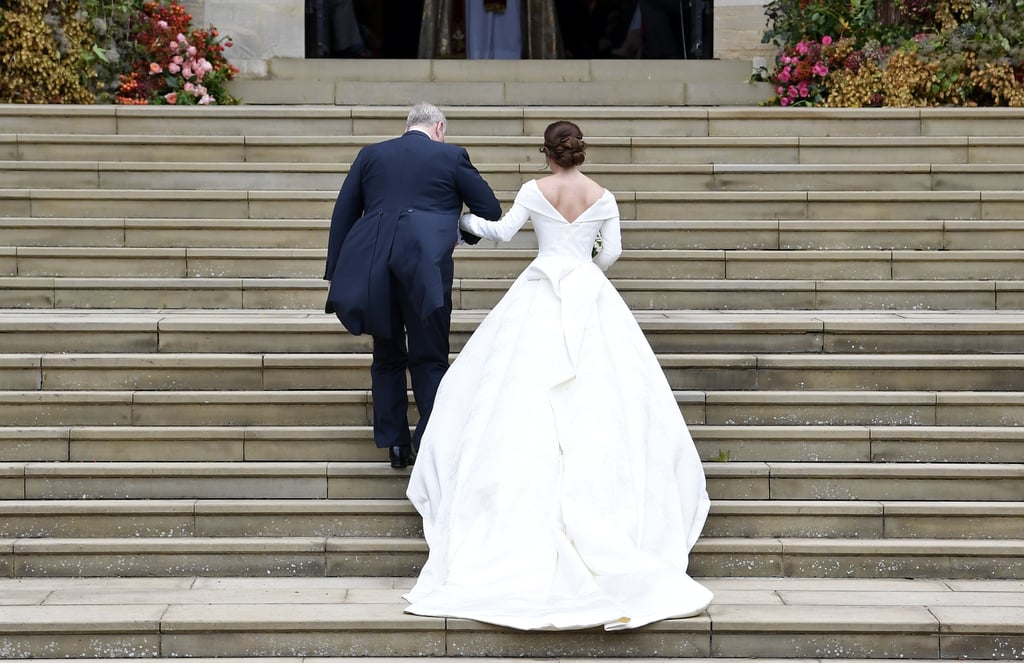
pixel 570 192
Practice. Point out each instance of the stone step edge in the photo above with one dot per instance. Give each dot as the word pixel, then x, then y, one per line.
pixel 364 396
pixel 798 116
pixel 519 253
pixel 397 507
pixel 724 360
pixel 371 470
pixel 994 548
pixel 624 196
pixel 914 119
pixel 510 140
pixel 702 431
pixel 522 167
pixel 481 284
pixel 797 320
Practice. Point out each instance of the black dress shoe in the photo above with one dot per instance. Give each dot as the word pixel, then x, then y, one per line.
pixel 399 457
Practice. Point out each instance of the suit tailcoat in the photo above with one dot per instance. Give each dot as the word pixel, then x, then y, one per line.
pixel 395 224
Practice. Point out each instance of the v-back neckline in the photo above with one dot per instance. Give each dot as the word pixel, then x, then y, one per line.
pixel 559 212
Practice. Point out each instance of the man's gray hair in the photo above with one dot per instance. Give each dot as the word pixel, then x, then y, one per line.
pixel 424 115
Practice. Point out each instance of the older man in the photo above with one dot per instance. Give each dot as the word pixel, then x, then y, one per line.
pixel 389 261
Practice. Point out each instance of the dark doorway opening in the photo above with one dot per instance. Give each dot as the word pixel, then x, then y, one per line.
pixel 588 29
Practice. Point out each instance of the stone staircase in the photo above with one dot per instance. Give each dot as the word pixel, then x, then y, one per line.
pixel 835 296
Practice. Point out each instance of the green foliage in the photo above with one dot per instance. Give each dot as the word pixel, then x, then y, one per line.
pixel 722 457
pixel 111 53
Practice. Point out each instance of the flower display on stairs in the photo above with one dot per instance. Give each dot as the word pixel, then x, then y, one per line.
pixel 898 53
pixel 175 63
pixel 110 51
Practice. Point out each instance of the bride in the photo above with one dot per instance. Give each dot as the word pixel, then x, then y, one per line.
pixel 557 481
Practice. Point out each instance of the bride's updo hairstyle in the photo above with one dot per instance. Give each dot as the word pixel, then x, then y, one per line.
pixel 563 144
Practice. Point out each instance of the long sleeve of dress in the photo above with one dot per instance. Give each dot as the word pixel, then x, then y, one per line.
pixel 501 230
pixel 611 244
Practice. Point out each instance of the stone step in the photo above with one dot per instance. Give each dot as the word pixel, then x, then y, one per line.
pixel 720 234
pixel 668 331
pixel 308 480
pixel 634 144
pixel 470 293
pixel 199 175
pixel 319 556
pixel 793 619
pixel 514 83
pixel 743 443
pixel 347 371
pixel 183 518
pixel 504 263
pixel 760 294
pixel 426 659
pixel 646 205
pixel 354 408
pixel 465 120
pixel 828 443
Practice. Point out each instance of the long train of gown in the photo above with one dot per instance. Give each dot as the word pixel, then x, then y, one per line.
pixel 557 481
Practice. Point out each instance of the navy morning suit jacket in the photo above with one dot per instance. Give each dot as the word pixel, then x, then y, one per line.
pixel 398 214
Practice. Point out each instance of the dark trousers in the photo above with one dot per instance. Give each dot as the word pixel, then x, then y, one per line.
pixel 425 358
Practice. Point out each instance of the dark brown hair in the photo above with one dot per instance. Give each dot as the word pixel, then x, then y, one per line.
pixel 563 143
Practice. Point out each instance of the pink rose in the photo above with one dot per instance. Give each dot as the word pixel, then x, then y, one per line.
pixel 187 72
pixel 826 40
pixel 162 25
pixel 793 92
pixel 181 38
pixel 173 46
pixel 784 101
pixel 171 97
pixel 155 68
pixel 820 69
pixel 784 75
pixel 189 87
pixel 177 59
pixel 780 90
pixel 207 99
pixel 173 68
pixel 801 48
pixel 192 51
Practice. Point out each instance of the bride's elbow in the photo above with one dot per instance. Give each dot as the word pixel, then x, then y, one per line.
pixel 606 258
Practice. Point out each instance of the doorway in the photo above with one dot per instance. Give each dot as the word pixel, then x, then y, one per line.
pixel 587 29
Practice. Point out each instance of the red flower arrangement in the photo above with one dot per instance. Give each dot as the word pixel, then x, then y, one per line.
pixel 801 71
pixel 174 63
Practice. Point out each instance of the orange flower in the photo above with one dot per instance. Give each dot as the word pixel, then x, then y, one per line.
pixel 155 68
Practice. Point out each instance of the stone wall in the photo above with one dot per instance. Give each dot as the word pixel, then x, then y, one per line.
pixel 260 29
pixel 739 25
pixel 266 29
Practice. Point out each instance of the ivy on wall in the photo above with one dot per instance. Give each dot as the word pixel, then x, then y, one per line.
pixel 109 51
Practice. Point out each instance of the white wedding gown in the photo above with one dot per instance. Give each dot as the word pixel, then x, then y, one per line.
pixel 558 484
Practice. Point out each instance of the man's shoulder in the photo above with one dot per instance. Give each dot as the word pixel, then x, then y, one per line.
pixel 421 144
